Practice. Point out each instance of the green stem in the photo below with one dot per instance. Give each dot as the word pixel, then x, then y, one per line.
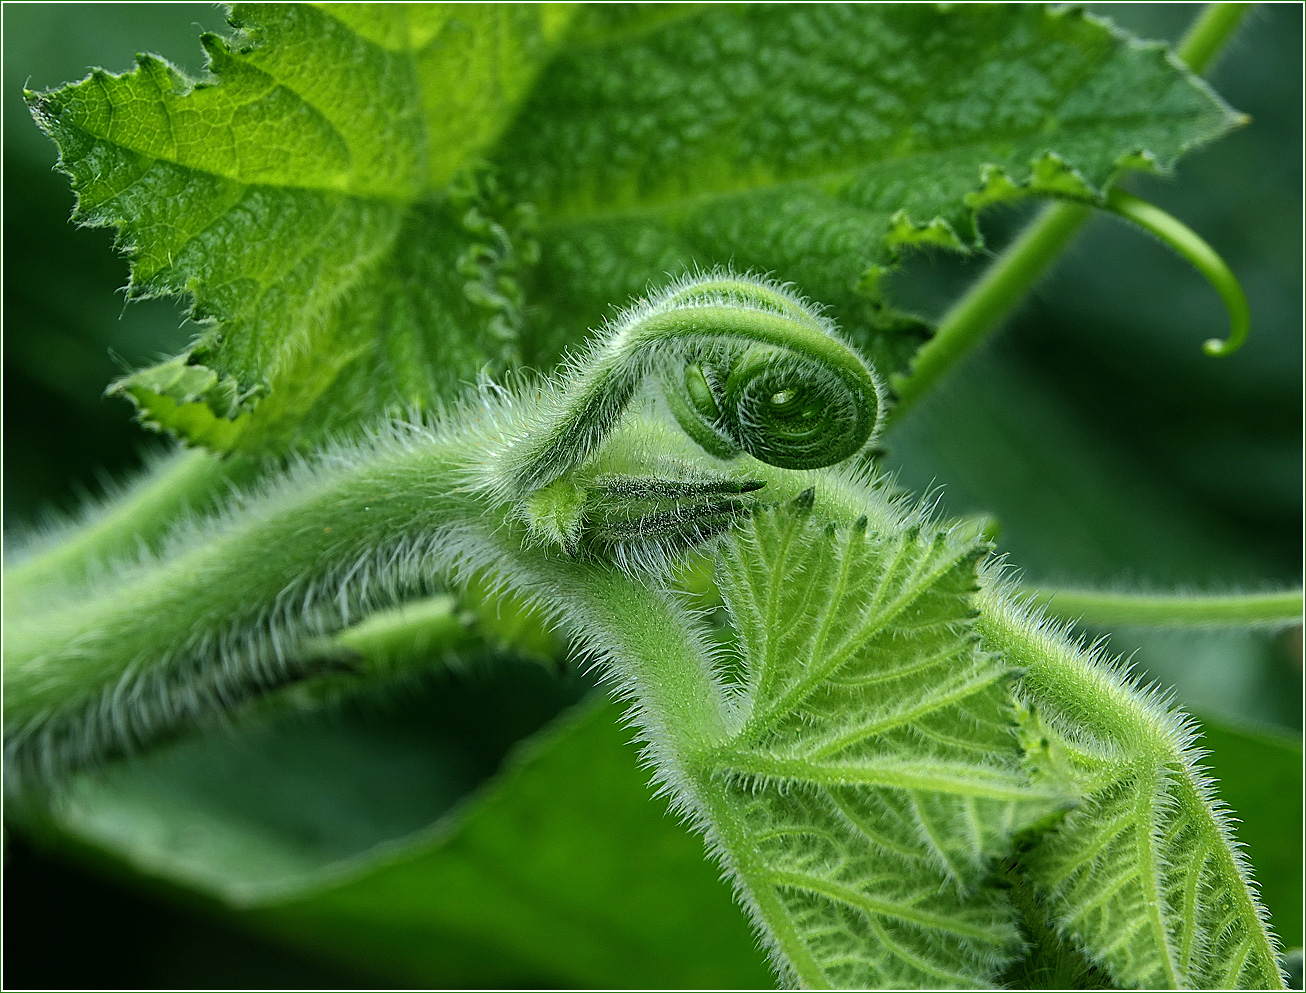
pixel 1024 262
pixel 1206 36
pixel 980 309
pixel 1095 607
pixel 240 604
pixel 187 483
pixel 224 616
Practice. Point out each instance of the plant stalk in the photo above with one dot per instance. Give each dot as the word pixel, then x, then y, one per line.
pixel 190 482
pixel 1279 608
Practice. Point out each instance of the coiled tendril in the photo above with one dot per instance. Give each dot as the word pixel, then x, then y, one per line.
pixel 744 365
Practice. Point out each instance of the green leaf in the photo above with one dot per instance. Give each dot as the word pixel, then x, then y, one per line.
pixel 1145 878
pixel 817 141
pixel 190 401
pixel 370 835
pixel 280 806
pixel 562 873
pixel 873 775
pixel 1004 438
pixel 317 192
pixel 313 193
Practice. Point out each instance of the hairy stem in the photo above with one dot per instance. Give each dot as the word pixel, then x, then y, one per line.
pixel 1024 262
pixel 1278 608
pixel 190 482
pixel 218 618
pixel 239 604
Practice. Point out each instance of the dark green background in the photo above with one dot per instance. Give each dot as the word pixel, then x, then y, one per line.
pixel 1111 450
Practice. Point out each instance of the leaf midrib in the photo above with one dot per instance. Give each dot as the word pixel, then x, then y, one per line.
pixel 922 575
pixel 890 773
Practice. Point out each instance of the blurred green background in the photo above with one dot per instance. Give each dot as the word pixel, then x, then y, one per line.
pixel 1111 450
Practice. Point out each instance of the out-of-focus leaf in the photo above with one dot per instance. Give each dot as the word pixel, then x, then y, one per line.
pixel 357 834
pixel 277 802
pixel 1070 508
pixel 562 872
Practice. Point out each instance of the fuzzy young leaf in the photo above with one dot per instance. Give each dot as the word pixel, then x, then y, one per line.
pixel 1145 878
pixel 874 772
pixel 818 140
pixel 312 193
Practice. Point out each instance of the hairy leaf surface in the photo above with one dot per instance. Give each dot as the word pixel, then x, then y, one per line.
pixel 874 773
pixel 312 193
pixel 1260 777
pixel 816 140
pixel 317 192
pixel 1145 878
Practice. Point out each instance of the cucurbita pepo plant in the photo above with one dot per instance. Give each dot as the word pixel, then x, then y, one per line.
pixel 910 776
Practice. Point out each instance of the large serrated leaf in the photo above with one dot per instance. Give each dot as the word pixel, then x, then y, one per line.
pixel 875 773
pixel 816 140
pixel 312 193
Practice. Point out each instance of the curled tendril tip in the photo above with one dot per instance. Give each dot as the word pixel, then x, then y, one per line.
pixel 1202 256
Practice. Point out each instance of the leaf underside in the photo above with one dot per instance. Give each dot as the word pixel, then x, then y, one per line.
pixel 875 774
pixel 1145 877
pixel 323 194
pixel 525 882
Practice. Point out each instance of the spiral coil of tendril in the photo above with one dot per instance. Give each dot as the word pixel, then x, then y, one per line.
pixel 745 367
